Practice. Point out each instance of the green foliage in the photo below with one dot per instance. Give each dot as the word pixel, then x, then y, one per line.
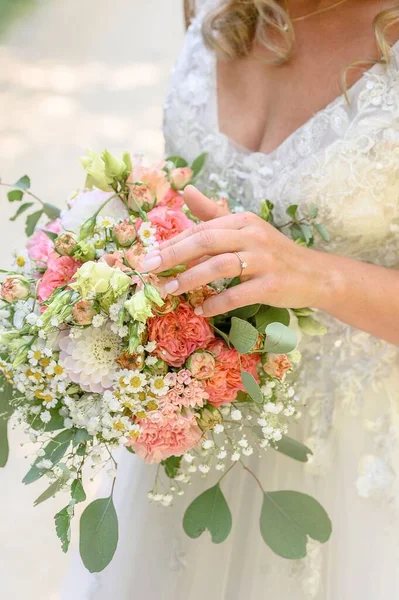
pixel 53 212
pixel 198 164
pixel 6 411
pixel 250 384
pixel 292 448
pixel 98 534
pixel 25 206
pixel 54 451
pixel 246 312
pixel 32 221
pixel 288 518
pixel 269 314
pixel 56 422
pixel 209 511
pixel 279 339
pixel 177 161
pixel 243 336
pixel 63 526
pixel 321 230
pixel 311 327
pixel 51 491
pixel 77 492
pixel 172 466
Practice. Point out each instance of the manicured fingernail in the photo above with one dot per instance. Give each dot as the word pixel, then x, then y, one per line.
pixel 171 286
pixel 199 310
pixel 152 262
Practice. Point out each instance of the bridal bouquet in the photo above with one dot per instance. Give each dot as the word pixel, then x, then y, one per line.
pixel 95 356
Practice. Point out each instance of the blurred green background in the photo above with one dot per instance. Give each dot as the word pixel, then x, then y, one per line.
pixel 10 10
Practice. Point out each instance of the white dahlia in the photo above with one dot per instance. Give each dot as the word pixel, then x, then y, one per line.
pixel 89 360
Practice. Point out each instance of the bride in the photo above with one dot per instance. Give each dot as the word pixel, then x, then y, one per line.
pixel 296 102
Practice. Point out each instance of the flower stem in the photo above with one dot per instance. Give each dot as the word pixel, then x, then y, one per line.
pixel 253 475
pixel 224 474
pixel 9 185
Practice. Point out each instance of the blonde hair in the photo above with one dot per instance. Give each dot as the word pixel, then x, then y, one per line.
pixel 233 27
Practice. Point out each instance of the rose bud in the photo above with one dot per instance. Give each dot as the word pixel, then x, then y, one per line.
pixel 83 312
pixel 124 233
pixel 131 361
pixel 65 244
pixel 201 364
pixel 85 252
pixel 277 365
pixel 169 305
pixel 160 367
pixel 15 288
pixel 198 296
pixel 180 177
pixel 140 196
pixel 209 417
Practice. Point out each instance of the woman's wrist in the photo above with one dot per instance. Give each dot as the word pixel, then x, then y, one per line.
pixel 330 281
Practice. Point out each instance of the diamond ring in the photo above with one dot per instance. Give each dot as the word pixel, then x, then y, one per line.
pixel 243 264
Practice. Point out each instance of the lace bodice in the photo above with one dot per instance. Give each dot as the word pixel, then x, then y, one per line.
pixel 345 158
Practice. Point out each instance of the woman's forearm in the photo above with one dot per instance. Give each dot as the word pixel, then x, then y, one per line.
pixel 363 295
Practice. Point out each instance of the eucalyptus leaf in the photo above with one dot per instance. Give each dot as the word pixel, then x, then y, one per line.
pixel 98 534
pixel 51 235
pixel 288 518
pixel 209 511
pixel 53 212
pixel 243 336
pixel 270 314
pixel 246 312
pixel 56 422
pixel 279 339
pixel 307 232
pixel 303 312
pixel 292 210
pixel 313 212
pixel 25 206
pixel 63 526
pixel 222 334
pixel 6 411
pixel 321 230
pixel 51 491
pixel 77 492
pixel 32 221
pixel 178 161
pixel 54 451
pixel 252 387
pixel 23 183
pixel 172 466
pixel 15 195
pixel 198 164
pixel 310 326
pixel 292 448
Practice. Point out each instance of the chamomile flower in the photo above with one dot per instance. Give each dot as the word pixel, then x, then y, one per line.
pixel 147 233
pixel 158 385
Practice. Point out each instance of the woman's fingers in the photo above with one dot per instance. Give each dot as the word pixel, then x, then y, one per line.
pixel 202 207
pixel 240 295
pixel 208 242
pixel 216 267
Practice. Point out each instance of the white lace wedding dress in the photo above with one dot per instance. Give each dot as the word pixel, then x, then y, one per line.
pixel 346 160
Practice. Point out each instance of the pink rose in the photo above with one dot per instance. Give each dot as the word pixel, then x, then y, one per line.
pixel 140 195
pixel 125 233
pixel 277 365
pixel 15 288
pixel 173 200
pixel 201 364
pixel 180 177
pixel 168 222
pixel 165 435
pixel 178 334
pixel 225 384
pixel 60 271
pixel 40 246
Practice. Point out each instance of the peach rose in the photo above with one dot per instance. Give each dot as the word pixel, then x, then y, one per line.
pixel 180 177
pixel 277 365
pixel 225 384
pixel 168 222
pixel 83 312
pixel 173 200
pixel 178 334
pixel 201 364
pixel 154 178
pixel 165 435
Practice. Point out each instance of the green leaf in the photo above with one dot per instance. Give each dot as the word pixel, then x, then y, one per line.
pixel 279 339
pixel 243 336
pixel 288 518
pixel 128 162
pixel 56 422
pixel 21 210
pixel 303 312
pixel 32 221
pixel 291 211
pixel 321 230
pixel 178 161
pixel 77 492
pixel 51 491
pixel 198 164
pixel 6 411
pixel 63 526
pixel 313 211
pixel 174 271
pixel 53 212
pixel 252 387
pixel 222 334
pixel 98 534
pixel 270 314
pixel 15 196
pixel 242 397
pixel 80 436
pixel 296 232
pixel 23 183
pixel 307 232
pixel 172 466
pixel 130 449
pixel 310 326
pixel 51 235
pixel 246 312
pixel 54 451
pixel 209 511
pixel 292 448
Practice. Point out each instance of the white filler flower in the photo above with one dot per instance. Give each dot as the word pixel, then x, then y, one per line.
pixel 89 360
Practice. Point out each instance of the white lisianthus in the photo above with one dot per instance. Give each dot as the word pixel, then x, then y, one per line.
pixel 86 203
pixel 98 278
pixel 139 307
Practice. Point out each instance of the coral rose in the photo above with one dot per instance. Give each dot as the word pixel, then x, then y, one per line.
pixel 61 270
pixel 173 200
pixel 167 222
pixel 165 435
pixel 178 334
pixel 225 383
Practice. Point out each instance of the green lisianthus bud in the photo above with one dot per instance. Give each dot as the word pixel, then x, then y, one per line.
pixel 87 228
pixel 85 252
pixel 114 168
pixel 209 417
pixel 95 168
pixel 153 295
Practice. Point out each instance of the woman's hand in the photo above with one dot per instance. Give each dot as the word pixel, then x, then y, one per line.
pixel 277 271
